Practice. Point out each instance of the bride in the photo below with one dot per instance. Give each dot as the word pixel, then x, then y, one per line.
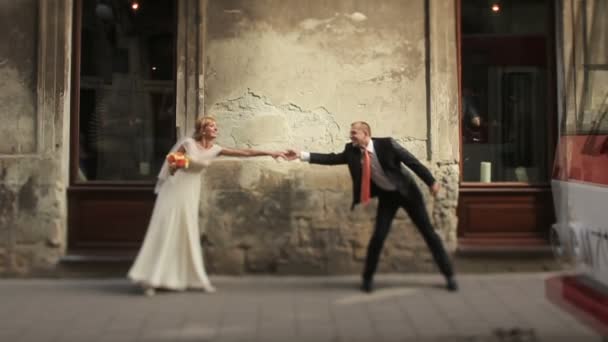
pixel 171 256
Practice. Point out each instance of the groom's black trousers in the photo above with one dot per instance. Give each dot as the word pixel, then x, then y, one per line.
pixel 413 203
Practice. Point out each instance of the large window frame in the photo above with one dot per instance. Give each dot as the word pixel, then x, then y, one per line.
pixel 550 105
pixel 598 125
pixel 150 85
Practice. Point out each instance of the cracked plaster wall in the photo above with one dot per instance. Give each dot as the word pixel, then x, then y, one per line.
pixel 276 74
pixel 17 77
pixel 32 186
pixel 295 74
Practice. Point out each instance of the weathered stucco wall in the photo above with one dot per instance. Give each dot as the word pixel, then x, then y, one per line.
pixel 292 73
pixel 343 59
pixel 17 77
pixel 32 150
pixel 276 74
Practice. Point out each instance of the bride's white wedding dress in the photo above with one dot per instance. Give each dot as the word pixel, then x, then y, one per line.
pixel 171 255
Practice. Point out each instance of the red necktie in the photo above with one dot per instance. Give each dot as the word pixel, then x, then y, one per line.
pixel 366 178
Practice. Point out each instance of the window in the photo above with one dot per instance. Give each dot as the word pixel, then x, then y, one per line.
pixel 126 98
pixel 590 105
pixel 505 51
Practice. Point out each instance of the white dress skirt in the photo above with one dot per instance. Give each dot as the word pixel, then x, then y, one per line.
pixel 171 255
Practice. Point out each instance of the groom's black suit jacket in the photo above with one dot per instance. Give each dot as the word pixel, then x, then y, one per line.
pixel 390 155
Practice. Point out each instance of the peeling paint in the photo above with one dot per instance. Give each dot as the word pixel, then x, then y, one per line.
pixel 327 60
pixel 252 120
pixel 357 16
pixel 32 96
pixel 27 196
pixel 296 74
pixel 313 23
pixel 278 212
pixel 7 202
pixel 17 105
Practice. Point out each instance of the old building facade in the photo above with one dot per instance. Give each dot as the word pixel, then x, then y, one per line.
pixel 92 94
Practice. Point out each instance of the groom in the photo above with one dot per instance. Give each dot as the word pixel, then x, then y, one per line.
pixel 375 169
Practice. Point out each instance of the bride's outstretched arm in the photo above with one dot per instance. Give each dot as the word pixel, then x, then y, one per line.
pixel 248 152
pixel 196 165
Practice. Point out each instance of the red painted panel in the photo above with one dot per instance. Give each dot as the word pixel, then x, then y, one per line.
pixel 582 158
pixel 585 303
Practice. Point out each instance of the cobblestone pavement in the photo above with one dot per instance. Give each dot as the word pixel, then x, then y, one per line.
pixel 500 307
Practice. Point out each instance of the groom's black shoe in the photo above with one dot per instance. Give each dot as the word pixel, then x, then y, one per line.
pixel 367 286
pixel 451 284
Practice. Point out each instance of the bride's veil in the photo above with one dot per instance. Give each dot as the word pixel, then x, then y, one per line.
pixel 164 174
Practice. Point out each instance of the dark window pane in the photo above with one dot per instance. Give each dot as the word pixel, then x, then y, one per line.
pixel 504 82
pixel 504 17
pixel 127 99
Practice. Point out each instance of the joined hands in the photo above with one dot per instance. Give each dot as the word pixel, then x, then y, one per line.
pixel 289 154
pixel 292 154
pixel 278 154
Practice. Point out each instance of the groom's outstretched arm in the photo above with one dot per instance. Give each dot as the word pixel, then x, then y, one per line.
pixel 327 158
pixel 319 158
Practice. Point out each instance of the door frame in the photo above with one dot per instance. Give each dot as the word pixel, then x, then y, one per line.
pixel 500 200
pixel 109 218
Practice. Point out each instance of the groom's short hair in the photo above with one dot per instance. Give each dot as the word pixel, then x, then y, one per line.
pixel 364 126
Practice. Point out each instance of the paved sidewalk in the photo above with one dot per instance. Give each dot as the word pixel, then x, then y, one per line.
pixel 506 307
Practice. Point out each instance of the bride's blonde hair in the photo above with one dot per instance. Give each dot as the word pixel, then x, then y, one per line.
pixel 200 125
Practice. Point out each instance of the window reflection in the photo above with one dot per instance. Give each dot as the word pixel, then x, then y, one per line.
pixel 127 100
pixel 504 90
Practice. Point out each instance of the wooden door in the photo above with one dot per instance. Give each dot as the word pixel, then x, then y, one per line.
pixel 508 115
pixel 122 122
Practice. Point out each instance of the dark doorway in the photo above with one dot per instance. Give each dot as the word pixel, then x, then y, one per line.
pixel 123 119
pixel 508 121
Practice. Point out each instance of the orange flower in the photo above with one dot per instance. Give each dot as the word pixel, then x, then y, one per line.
pixel 178 160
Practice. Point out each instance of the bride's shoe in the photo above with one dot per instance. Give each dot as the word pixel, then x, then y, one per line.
pixel 204 288
pixel 149 291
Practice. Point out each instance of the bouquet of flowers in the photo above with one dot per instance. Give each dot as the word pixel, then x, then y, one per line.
pixel 178 160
